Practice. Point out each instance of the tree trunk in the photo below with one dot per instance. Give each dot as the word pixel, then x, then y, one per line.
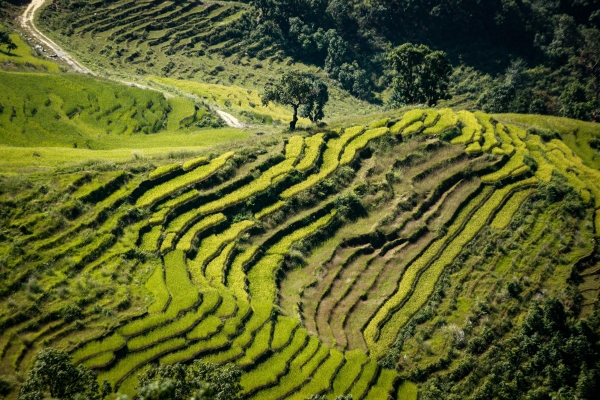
pixel 295 119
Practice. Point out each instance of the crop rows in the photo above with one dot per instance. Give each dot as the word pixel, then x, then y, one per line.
pixel 217 292
pixel 191 178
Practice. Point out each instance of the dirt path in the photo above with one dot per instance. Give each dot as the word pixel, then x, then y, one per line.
pixel 230 120
pixel 28 23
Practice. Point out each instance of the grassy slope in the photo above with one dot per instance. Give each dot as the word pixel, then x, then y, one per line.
pixel 576 134
pixel 399 170
pixel 115 282
pixel 104 47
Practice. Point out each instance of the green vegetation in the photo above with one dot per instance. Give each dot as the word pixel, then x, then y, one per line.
pixel 182 182
pixel 384 255
pixel 422 75
pixel 297 90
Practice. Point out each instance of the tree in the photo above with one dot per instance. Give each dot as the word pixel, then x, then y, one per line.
pixel 313 109
pixel 54 375
pixel 297 89
pixel 589 63
pixel 422 75
pixel 575 102
pixel 198 381
pixel 6 40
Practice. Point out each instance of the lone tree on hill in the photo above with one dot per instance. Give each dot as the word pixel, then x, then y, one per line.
pixel 422 75
pixel 6 40
pixel 297 89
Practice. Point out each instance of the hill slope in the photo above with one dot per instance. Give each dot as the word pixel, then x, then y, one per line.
pixel 314 266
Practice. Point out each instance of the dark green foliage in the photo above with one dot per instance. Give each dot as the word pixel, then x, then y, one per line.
pixel 313 109
pixel 183 382
pixel 548 354
pixel 210 120
pixel 53 375
pixel 297 89
pixel 576 102
pixel 595 143
pixel 6 386
pixel 544 134
pixel 6 40
pixel 71 312
pixel 422 75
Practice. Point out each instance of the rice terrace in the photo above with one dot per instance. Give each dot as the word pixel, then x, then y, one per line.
pixel 167 233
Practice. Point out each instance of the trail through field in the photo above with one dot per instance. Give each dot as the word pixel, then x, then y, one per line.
pixel 28 23
pixel 230 120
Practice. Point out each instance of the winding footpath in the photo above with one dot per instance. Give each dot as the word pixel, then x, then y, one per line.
pixel 28 23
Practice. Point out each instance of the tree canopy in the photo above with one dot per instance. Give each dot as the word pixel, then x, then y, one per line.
pixel 6 40
pixel 422 75
pixel 198 381
pixel 54 376
pixel 297 89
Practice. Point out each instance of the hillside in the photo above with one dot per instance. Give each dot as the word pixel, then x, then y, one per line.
pixel 386 253
pixel 127 267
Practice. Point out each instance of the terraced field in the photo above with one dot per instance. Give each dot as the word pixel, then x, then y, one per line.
pixel 159 37
pixel 305 265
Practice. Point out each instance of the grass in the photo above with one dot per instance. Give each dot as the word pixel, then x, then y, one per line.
pixel 186 241
pixel 23 56
pixel 311 152
pixel 192 351
pixel 183 296
pixel 177 327
pixel 164 170
pixel 215 270
pixel 409 118
pixel 371 332
pixel 349 373
pixel 267 373
pixel 181 182
pixel 430 276
pixel 259 345
pixel 504 216
pixel 323 376
pixel 135 360
pixel 447 120
pixel 205 329
pixel 50 110
pixel 575 134
pixel 408 391
pixel 284 328
pixel 471 132
pixel 360 142
pixel 362 385
pixel 234 97
pixel 269 210
pixel 330 162
pixel 232 310
pixel 489 136
pixel 384 386
pixel 236 280
pixel 156 285
pixel 182 110
pixel 95 348
pixel 196 162
pixel 211 246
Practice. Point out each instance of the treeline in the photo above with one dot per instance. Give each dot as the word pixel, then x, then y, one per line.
pixel 540 56
pixel 511 56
